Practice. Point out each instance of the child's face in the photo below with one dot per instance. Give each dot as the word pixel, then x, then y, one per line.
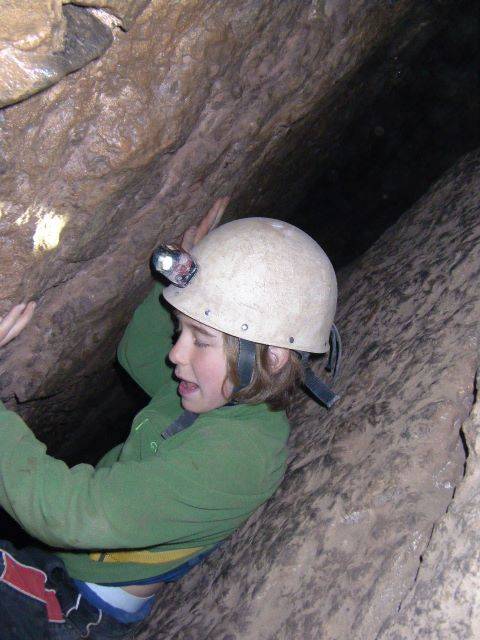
pixel 201 366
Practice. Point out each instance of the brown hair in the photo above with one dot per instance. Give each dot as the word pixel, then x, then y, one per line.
pixel 275 389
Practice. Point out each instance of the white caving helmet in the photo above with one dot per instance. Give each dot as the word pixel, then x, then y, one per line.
pixel 261 280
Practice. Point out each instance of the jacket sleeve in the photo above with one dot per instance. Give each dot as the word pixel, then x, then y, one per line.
pixel 194 491
pixel 146 342
pixel 110 457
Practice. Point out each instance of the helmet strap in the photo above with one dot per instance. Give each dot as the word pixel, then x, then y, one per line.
pixel 335 356
pixel 245 363
pixel 317 387
pixel 322 392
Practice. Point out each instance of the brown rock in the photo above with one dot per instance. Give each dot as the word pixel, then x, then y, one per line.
pixel 27 25
pixel 40 45
pixel 444 601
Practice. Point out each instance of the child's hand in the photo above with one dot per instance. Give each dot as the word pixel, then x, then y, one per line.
pixel 196 232
pixel 15 321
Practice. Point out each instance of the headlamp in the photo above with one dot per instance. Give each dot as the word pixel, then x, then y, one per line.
pixel 174 263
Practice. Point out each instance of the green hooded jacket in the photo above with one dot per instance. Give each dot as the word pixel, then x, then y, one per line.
pixel 150 503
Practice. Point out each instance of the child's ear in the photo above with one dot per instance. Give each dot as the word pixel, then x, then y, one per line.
pixel 277 358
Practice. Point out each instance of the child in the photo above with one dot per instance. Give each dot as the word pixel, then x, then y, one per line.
pixel 257 296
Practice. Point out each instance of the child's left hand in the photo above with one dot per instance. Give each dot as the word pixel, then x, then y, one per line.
pixel 15 321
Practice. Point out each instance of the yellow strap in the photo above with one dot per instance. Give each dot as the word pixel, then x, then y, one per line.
pixel 145 557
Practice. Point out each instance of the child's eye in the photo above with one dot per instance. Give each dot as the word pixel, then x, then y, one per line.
pixel 197 343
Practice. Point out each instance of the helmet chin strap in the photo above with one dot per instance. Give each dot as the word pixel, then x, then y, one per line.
pixel 335 356
pixel 245 363
pixel 321 392
pixel 317 387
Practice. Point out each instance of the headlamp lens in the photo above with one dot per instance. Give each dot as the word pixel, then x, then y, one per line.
pixel 174 263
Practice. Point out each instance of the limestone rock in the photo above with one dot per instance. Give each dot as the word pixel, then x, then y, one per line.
pixel 26 25
pixel 336 552
pixel 40 44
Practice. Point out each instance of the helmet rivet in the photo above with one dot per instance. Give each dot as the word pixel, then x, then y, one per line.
pixel 291 340
pixel 244 327
pixel 207 312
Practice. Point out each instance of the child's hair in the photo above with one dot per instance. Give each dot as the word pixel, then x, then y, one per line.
pixel 275 389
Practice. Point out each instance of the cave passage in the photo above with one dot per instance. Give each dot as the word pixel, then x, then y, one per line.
pixel 394 148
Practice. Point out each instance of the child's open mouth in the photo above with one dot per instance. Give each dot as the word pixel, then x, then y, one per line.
pixel 186 388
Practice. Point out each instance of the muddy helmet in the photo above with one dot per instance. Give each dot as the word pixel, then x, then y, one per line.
pixel 263 280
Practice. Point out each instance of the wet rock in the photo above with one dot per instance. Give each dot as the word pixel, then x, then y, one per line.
pixel 338 549
pixel 40 44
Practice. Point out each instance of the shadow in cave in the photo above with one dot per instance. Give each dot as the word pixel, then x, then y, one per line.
pixel 392 150
pixel 403 143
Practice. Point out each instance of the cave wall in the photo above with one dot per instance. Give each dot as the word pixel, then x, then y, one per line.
pixel 197 100
pixel 359 525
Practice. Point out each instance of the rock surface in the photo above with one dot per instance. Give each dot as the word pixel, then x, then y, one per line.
pixel 40 46
pixel 126 10
pixel 445 602
pixel 40 43
pixel 337 551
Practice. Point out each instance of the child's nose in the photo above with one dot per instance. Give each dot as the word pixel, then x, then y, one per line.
pixel 178 353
